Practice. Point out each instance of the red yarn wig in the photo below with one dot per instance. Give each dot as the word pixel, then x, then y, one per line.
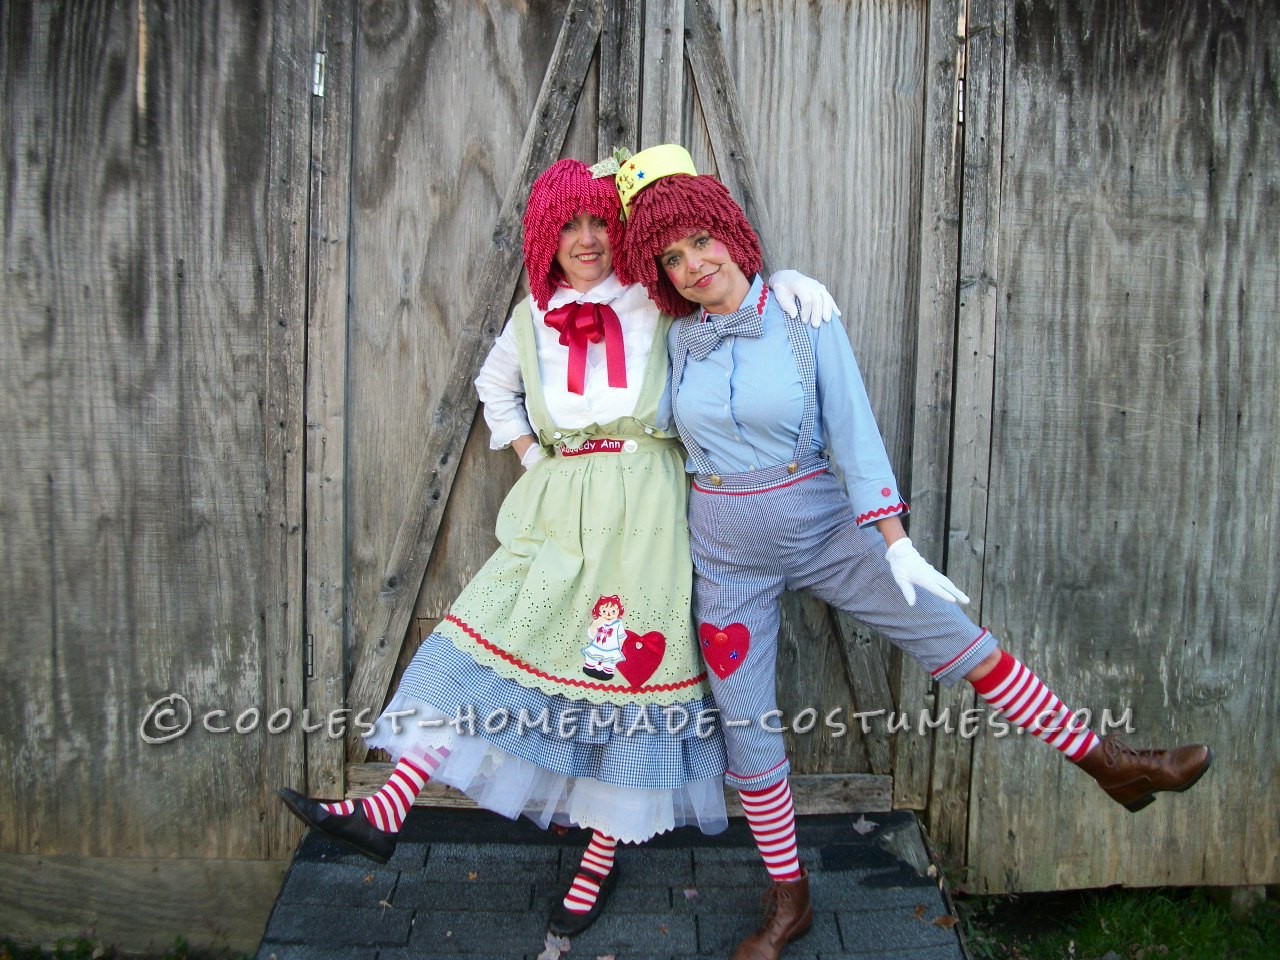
pixel 673 208
pixel 562 192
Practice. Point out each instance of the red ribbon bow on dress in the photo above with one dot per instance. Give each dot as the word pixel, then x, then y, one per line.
pixel 582 323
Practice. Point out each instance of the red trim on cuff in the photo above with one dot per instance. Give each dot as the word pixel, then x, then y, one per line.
pixel 873 515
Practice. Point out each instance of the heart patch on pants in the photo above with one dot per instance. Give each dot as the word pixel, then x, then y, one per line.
pixel 724 648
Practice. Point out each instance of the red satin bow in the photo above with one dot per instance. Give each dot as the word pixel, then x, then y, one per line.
pixel 581 323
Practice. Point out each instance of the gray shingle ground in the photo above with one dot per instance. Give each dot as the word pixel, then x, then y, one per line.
pixel 468 884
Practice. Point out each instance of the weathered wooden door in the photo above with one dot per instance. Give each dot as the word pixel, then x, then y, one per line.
pixel 434 124
pixel 1072 376
pixel 1114 476
pixel 151 316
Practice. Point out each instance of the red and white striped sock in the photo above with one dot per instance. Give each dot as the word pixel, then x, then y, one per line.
pixel 597 863
pixel 387 808
pixel 771 814
pixel 1013 690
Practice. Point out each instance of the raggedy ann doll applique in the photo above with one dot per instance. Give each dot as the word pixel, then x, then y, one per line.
pixel 605 637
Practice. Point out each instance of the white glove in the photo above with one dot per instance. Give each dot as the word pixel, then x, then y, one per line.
pixel 911 570
pixel 815 301
pixel 533 455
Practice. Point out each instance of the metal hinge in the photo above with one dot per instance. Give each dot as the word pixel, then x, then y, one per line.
pixel 309 655
pixel 317 75
pixel 962 59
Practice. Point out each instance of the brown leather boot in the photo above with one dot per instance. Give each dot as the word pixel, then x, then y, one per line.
pixel 787 916
pixel 1132 777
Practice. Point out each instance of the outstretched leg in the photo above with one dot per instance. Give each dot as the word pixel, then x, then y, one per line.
pixel 1130 777
pixel 850 572
pixel 1013 690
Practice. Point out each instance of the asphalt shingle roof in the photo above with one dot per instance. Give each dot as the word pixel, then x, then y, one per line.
pixel 469 884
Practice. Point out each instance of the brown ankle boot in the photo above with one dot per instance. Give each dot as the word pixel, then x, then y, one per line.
pixel 1132 777
pixel 788 916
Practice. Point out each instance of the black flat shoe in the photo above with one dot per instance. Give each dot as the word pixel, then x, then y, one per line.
pixel 565 923
pixel 353 830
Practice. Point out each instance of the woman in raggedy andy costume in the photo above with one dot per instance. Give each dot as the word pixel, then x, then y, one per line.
pixel 760 402
pixel 577 385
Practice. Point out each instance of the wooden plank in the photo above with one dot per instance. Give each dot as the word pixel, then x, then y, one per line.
pixel 379 640
pixel 935 347
pixel 813 793
pixel 1131 542
pixel 813 692
pixel 619 112
pixel 870 685
pixel 466 536
pixel 328 295
pixel 976 310
pixel 283 225
pixel 662 84
pixel 722 112
pixel 974 371
pixel 27 323
pixel 425 197
pixel 839 162
pixel 582 139
pixel 138 906
pixel 939 253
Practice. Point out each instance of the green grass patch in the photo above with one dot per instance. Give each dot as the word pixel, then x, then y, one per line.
pixel 1119 924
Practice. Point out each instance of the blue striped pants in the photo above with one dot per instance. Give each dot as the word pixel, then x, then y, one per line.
pixel 758 534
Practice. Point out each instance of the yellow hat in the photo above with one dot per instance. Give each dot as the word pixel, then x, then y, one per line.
pixel 650 165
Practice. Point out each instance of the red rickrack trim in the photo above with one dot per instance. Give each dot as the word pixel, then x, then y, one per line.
pixel 881 513
pixel 584 684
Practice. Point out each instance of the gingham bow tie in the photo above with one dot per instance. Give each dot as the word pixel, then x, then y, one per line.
pixel 704 337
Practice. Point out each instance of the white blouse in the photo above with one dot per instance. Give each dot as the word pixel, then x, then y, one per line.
pixel 501 387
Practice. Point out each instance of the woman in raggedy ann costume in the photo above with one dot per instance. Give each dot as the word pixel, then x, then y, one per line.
pixel 525 697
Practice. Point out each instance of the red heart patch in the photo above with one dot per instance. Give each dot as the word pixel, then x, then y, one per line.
pixel 724 649
pixel 643 654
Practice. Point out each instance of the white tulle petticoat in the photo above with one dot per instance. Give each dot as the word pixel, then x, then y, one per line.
pixel 510 785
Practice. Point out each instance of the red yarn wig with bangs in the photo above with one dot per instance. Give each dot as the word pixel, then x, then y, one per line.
pixel 670 209
pixel 562 192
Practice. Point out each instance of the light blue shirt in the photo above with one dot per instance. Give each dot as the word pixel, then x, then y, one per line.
pixel 744 402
